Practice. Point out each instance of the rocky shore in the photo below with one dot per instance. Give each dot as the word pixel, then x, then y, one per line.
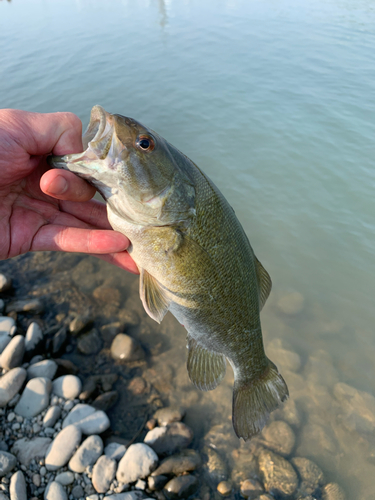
pixel 65 432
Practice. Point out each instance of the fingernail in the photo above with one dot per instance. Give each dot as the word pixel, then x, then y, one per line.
pixel 58 186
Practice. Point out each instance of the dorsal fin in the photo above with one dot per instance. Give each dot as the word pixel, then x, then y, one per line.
pixel 264 283
pixel 154 298
pixel 206 368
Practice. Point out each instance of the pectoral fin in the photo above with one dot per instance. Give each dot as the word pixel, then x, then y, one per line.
pixel 154 298
pixel 206 368
pixel 264 283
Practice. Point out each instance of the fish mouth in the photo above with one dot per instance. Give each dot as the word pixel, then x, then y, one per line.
pixel 101 147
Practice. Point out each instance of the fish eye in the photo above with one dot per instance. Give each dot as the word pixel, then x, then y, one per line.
pixel 145 143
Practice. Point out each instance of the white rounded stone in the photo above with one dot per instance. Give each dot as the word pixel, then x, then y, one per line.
pixel 63 447
pixel 67 386
pixel 5 338
pixel 137 463
pixel 65 478
pixel 12 355
pixel 87 454
pixel 55 491
pixel 52 416
pixel 5 283
pixel 10 384
pixel 26 450
pixel 6 324
pixel 46 368
pixel 115 451
pixel 34 336
pixel 88 419
pixel 17 487
pixel 35 397
pixel 103 473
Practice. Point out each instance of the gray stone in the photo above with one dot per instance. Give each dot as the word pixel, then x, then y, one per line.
pixel 137 463
pixel 87 454
pixel 103 473
pixel 88 419
pixel 55 491
pixel 181 487
pixel 52 416
pixel 34 336
pixel 311 475
pixel 4 341
pixel 26 450
pixel 35 397
pixel 291 304
pixel 12 355
pixel 279 477
pixel 10 384
pixel 332 491
pixel 156 483
pixel 90 343
pixel 165 416
pixel 279 437
pixel 63 447
pixel 77 491
pixel 105 401
pixel 65 478
pixel 115 451
pixel 128 495
pixel 46 368
pixel 251 489
pixel 79 323
pixel 59 341
pixel 35 359
pixel 67 386
pixel 17 487
pixel 125 348
pixel 6 324
pixel 7 462
pixel 29 305
pixel 2 306
pixel 186 461
pixel 170 438
pixel 5 283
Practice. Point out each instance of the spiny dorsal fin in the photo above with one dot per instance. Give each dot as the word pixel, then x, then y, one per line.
pixel 154 298
pixel 206 368
pixel 264 283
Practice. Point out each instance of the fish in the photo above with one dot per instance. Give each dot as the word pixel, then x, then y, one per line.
pixel 193 256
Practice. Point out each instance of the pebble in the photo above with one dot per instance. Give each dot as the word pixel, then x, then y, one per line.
pixel 28 305
pixel 67 386
pixel 77 491
pixel 169 414
pixel 87 454
pixel 5 283
pixel 311 475
pixel 4 340
pixel 90 343
pixel 59 341
pixel 12 355
pixel 137 463
pixel 125 348
pixel 63 447
pixel 181 487
pixel 251 488
pixel 278 475
pixel 46 368
pixel 88 419
pixel 279 437
pixel 186 461
pixel 291 304
pixel 17 487
pixel 332 491
pixel 224 488
pixel 37 480
pixel 10 384
pixel 156 483
pixel 6 324
pixel 52 416
pixel 26 450
pixel 7 462
pixel 55 491
pixel 170 438
pixel 115 451
pixel 105 401
pixel 35 397
pixel 79 323
pixel 103 473
pixel 129 495
pixel 34 337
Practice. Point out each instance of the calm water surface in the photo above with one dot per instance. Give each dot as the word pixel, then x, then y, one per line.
pixel 275 100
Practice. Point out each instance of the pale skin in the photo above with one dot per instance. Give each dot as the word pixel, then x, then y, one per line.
pixel 43 209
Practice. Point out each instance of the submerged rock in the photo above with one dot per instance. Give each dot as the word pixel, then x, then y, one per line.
pixel 279 477
pixel 125 348
pixel 215 468
pixel 181 487
pixel 332 491
pixel 90 343
pixel 186 461
pixel 170 438
pixel 291 304
pixel 311 475
pixel 170 414
pixel 251 489
pixel 358 408
pixel 279 437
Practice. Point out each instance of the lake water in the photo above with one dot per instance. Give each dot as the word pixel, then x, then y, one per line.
pixel 275 101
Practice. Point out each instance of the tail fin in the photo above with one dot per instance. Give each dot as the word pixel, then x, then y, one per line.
pixel 254 400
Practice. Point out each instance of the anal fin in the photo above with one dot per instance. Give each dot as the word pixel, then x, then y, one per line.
pixel 154 298
pixel 206 368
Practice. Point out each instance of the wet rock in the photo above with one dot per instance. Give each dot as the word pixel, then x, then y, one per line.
pixel 63 447
pixel 221 437
pixel 2 306
pixel 29 305
pixel 103 473
pixel 251 488
pixel 181 487
pixel 5 283
pixel 110 330
pixel 26 450
pixel 224 488
pixel 107 295
pixel 80 323
pixel 125 348
pixel 332 491
pixel 318 442
pixel 90 343
pixel 4 341
pixel 67 386
pixel 165 416
pixel 278 475
pixel 46 368
pixel 358 408
pixel 88 389
pixel 88 419
pixel 115 451
pixel 77 491
pixel 17 487
pixel 55 491
pixel 291 304
pixel 319 369
pixel 65 366
pixel 10 384
pixel 12 355
pixel 105 401
pixel 87 454
pixel 65 478
pixel 137 386
pixel 7 462
pixel 215 468
pixel 279 437
pixel 186 461
pixel 59 340
pixel 138 462
pixel 34 338
pixel 289 412
pixel 245 465
pixel 170 438
pixel 311 475
pixel 52 416
pixel 35 397
pixel 156 483
pixel 6 325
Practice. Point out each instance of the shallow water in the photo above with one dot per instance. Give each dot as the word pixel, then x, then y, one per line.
pixel 275 101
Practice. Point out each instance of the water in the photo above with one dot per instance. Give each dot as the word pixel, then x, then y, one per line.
pixel 275 100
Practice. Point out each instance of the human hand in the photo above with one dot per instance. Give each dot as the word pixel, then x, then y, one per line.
pixel 43 209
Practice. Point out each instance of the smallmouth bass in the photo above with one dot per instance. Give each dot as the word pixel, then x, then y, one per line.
pixel 193 256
